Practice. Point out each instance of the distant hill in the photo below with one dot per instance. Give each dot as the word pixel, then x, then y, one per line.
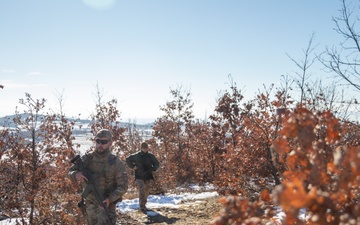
pixel 7 121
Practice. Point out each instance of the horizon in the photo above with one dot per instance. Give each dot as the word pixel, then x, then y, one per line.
pixel 143 121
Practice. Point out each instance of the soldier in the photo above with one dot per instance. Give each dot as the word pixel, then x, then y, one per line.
pixel 144 163
pixel 110 176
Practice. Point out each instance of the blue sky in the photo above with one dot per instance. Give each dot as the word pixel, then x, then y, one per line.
pixel 136 50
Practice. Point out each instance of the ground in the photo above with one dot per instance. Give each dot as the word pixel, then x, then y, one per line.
pixel 189 213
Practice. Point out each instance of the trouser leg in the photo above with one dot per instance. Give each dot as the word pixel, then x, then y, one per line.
pixel 96 215
pixel 144 188
pixel 142 193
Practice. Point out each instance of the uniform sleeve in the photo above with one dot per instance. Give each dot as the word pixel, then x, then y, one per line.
pixel 129 161
pixel 155 163
pixel 121 181
pixel 74 169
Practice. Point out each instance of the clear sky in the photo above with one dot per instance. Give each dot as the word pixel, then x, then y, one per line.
pixel 137 49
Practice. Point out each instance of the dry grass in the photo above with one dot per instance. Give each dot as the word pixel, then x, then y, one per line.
pixel 196 212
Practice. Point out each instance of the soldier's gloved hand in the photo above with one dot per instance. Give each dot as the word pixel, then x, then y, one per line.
pixel 80 177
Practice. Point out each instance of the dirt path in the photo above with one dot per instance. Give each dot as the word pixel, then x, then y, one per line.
pixel 189 213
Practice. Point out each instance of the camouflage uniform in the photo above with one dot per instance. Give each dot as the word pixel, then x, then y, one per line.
pixel 145 163
pixel 110 175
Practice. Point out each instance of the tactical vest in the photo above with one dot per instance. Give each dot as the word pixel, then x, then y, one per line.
pixel 103 170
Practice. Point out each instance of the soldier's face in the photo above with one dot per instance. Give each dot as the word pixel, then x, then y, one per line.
pixel 102 144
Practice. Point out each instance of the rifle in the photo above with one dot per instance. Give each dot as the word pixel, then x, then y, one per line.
pixel 91 186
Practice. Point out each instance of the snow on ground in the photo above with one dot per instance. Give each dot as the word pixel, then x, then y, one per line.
pixel 174 201
pixel 168 200
pixel 154 202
